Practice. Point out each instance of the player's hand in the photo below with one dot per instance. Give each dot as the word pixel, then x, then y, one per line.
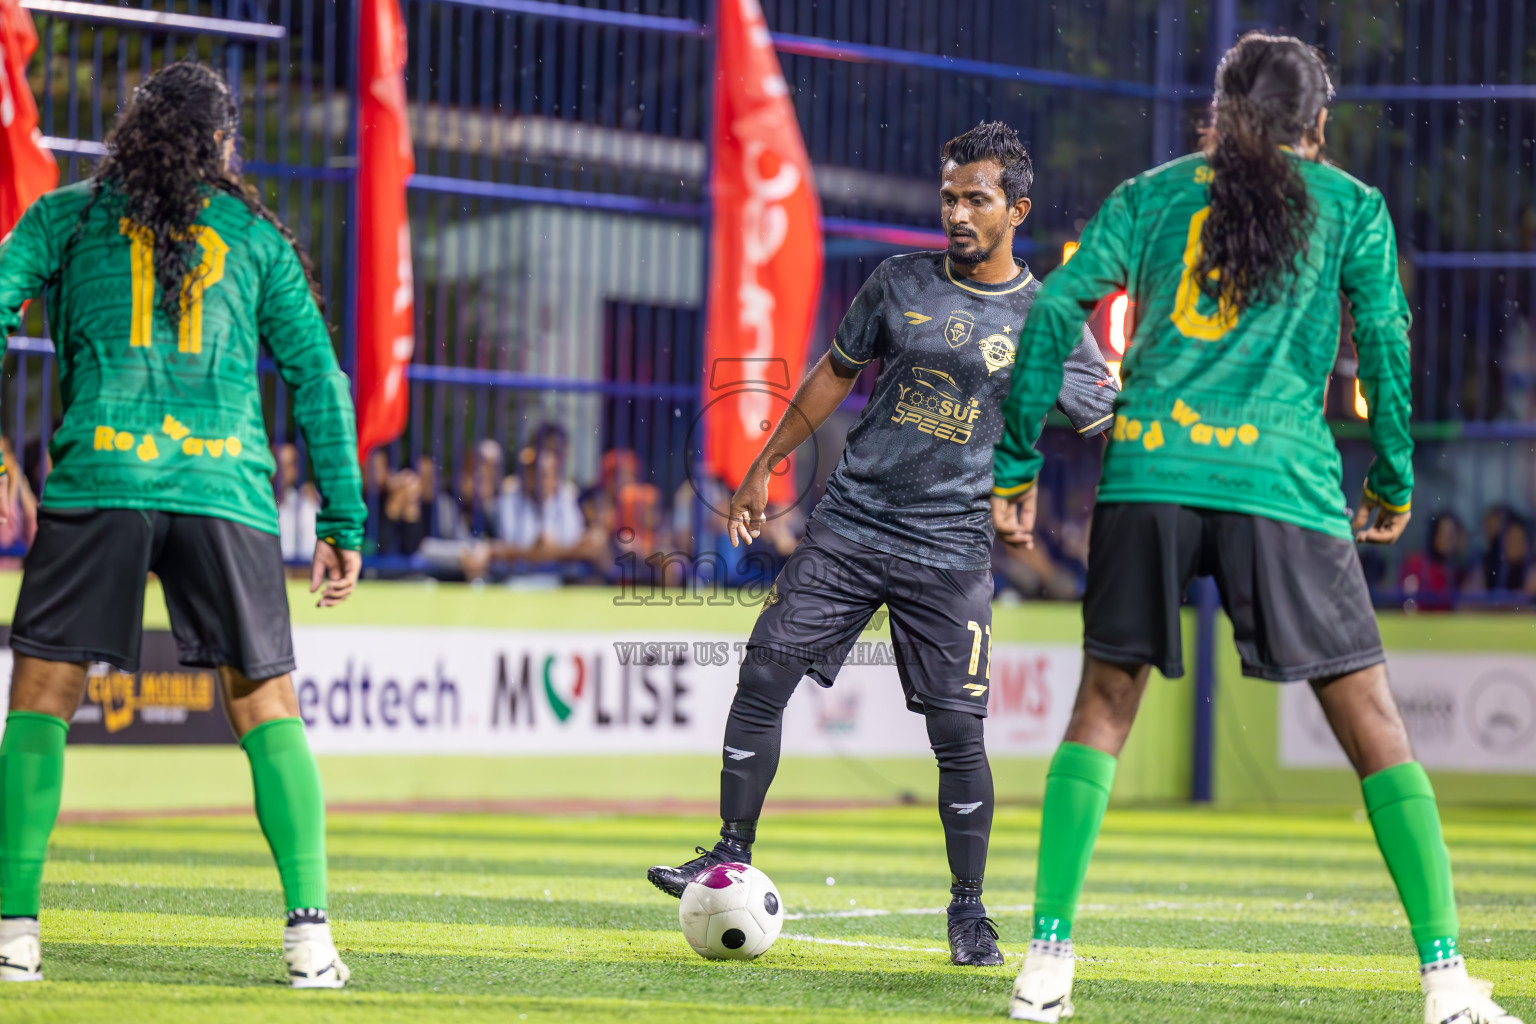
pixel 10 484
pixel 1388 527
pixel 1014 520
pixel 746 519
pixel 337 570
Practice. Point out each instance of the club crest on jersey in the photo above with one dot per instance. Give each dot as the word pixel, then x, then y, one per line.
pixel 958 330
pixel 998 350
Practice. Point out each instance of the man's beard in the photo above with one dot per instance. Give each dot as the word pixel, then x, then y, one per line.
pixel 968 257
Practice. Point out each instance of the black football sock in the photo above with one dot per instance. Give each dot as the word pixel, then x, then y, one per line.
pixel 736 839
pixel 752 736
pixel 965 801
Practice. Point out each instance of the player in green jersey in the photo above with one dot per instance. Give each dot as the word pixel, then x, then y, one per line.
pixel 164 276
pixel 1220 462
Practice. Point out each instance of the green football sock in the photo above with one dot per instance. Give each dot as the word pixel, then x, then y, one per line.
pixel 1076 793
pixel 1401 803
pixel 31 784
pixel 290 808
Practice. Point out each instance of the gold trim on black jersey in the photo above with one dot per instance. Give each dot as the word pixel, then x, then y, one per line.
pixel 1028 277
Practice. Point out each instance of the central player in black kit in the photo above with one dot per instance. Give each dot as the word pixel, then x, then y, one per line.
pixel 906 520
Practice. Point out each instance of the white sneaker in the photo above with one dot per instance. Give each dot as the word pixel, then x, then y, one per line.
pixel 1450 997
pixel 312 958
pixel 1043 991
pixel 21 950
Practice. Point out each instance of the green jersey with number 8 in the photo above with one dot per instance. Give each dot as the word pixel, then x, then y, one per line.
pixel 1220 410
pixel 168 416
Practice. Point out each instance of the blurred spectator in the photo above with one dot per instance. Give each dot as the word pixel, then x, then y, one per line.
pixel 465 522
pixel 490 477
pixel 1432 577
pixel 639 520
pixel 297 507
pixel 1506 552
pixel 600 502
pixel 538 516
pixel 470 511
pixel 427 475
pixel 404 523
pixel 20 526
pixel 698 513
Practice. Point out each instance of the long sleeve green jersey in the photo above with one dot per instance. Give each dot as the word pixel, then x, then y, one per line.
pixel 1219 410
pixel 160 415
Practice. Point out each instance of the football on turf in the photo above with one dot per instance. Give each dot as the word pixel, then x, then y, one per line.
pixel 731 912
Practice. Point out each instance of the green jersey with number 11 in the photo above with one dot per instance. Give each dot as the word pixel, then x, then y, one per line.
pixel 168 416
pixel 1220 410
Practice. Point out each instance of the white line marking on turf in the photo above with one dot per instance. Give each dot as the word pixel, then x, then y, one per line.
pixel 1016 908
pixel 863 945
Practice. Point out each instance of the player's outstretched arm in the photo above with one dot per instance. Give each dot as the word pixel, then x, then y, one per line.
pixel 294 331
pixel 822 391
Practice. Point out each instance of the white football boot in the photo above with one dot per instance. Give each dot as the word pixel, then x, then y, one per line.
pixel 312 958
pixel 21 950
pixel 1450 997
pixel 1043 991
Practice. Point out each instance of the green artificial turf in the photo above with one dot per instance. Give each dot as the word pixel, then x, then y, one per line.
pixel 1189 915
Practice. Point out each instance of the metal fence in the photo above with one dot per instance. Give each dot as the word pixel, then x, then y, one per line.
pixel 559 211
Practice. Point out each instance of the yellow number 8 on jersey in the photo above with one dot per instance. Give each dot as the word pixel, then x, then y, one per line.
pixel 1186 304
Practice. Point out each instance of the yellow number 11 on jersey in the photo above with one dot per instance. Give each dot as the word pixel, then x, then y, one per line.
pixel 142 261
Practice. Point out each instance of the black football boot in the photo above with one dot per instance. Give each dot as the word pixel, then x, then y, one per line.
pixel 972 937
pixel 732 848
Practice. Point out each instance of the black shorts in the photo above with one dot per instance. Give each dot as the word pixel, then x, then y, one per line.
pixel 82 590
pixel 1297 598
pixel 941 619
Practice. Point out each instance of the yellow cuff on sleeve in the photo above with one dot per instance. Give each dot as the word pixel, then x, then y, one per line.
pixel 852 361
pixel 1372 496
pixel 1011 492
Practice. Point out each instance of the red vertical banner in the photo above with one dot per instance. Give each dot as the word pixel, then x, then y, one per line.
pixel 386 322
pixel 27 170
pixel 765 250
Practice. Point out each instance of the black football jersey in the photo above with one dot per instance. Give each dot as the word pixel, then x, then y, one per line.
pixel 915 477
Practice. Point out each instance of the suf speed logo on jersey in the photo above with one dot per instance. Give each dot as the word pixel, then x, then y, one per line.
pixel 936 406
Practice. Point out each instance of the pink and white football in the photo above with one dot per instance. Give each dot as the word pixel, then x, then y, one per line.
pixel 731 912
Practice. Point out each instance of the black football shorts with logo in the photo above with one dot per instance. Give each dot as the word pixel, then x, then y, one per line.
pixel 941 619
pixel 1297 598
pixel 82 590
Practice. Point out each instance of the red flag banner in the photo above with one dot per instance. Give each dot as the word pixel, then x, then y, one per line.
pixel 386 323
pixel 765 255
pixel 27 170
